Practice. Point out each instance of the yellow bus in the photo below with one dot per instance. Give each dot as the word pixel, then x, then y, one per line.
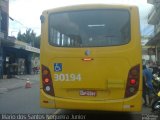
pixel 91 58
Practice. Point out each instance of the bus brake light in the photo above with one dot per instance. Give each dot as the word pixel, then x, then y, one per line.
pixel 46 80
pixel 132 81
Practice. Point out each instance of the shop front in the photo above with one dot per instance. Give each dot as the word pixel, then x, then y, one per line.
pixel 155 41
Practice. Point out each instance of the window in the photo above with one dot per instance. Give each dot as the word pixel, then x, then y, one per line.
pixel 89 28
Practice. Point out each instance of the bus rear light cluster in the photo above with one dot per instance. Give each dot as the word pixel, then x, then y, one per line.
pixel 132 81
pixel 47 81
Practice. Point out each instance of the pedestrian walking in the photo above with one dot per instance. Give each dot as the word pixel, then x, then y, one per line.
pixel 147 85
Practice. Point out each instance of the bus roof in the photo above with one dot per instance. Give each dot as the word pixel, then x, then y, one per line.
pixel 89 6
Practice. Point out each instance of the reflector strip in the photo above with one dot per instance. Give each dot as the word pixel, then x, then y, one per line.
pixel 87 59
pixel 45 101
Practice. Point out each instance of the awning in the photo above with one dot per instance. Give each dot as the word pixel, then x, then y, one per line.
pixel 154 40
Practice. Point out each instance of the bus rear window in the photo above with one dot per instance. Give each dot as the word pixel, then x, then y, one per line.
pixel 89 28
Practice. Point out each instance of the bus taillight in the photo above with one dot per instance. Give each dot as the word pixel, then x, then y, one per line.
pixel 132 81
pixel 47 81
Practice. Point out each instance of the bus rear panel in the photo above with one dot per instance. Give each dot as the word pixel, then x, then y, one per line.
pixel 91 58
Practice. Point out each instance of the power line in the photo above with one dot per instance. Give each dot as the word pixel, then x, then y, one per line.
pixel 22 23
pixel 17 22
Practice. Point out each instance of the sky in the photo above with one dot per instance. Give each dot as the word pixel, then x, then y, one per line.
pixel 26 13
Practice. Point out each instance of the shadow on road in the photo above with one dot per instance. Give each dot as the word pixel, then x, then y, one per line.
pixel 100 115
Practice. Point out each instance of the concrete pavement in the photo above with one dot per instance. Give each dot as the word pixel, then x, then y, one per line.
pixel 17 82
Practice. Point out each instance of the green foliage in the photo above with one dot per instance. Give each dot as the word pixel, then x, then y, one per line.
pixel 29 37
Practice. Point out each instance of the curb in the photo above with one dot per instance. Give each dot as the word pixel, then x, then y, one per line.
pixel 3 90
pixel 20 78
pixel 17 87
pixel 14 88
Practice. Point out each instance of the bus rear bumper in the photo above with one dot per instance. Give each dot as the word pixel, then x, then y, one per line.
pixel 133 103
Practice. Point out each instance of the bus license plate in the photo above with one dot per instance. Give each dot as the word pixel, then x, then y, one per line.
pixel 87 93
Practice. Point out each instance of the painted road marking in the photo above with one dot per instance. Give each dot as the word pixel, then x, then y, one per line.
pixel 55 113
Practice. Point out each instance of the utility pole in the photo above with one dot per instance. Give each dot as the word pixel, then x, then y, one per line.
pixel 0 22
pixel 0 45
pixel 0 16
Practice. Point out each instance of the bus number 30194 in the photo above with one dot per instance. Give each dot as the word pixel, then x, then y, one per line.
pixel 67 77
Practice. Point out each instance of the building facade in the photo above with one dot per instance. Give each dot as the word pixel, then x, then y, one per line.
pixel 4 10
pixel 16 57
pixel 4 13
pixel 154 19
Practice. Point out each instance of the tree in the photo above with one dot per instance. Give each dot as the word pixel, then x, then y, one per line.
pixel 37 42
pixel 29 37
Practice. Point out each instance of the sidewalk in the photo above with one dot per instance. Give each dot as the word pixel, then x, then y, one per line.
pixel 17 82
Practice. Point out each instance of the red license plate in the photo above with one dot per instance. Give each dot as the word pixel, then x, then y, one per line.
pixel 87 93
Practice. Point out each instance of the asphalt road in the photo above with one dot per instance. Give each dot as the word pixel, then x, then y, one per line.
pixel 25 101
